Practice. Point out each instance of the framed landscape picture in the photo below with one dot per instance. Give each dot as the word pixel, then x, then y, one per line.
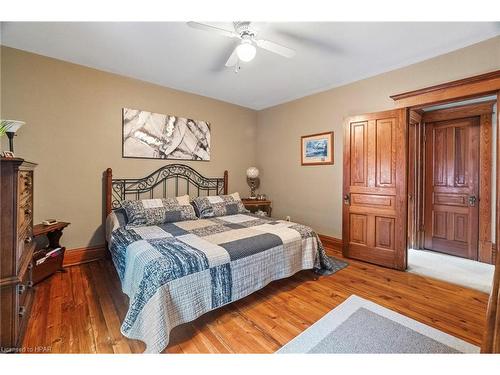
pixel 317 149
pixel 158 136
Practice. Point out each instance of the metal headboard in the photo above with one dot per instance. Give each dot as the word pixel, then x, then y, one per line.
pixel 120 189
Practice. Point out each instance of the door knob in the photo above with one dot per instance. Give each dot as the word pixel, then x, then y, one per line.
pixel 472 200
pixel 347 199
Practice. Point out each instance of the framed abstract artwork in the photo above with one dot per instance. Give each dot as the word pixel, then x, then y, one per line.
pixel 317 149
pixel 157 136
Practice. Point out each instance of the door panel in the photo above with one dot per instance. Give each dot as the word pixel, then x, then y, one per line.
pixel 386 148
pixel 460 225
pixel 460 156
pixel 359 146
pixel 358 228
pixel 370 200
pixel 452 157
pixel 440 219
pixel 384 232
pixel 374 213
pixel 440 159
pixel 450 199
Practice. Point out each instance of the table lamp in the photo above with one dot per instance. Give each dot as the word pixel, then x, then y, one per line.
pixel 253 180
pixel 11 127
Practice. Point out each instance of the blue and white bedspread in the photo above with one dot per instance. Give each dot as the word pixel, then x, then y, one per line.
pixel 174 273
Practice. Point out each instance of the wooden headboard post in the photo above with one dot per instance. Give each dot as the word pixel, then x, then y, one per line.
pixel 225 183
pixel 109 181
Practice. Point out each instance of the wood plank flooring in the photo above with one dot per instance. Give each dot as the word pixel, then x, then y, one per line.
pixel 80 311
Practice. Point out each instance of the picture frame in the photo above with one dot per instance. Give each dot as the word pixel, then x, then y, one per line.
pixel 150 135
pixel 317 149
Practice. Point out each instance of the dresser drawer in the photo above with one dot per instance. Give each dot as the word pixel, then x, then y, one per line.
pixel 24 303
pixel 25 182
pixel 24 244
pixel 25 286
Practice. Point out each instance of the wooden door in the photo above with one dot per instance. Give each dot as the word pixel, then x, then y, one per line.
pixel 375 180
pixel 451 188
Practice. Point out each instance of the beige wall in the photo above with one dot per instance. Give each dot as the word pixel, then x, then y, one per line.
pixel 313 194
pixel 73 131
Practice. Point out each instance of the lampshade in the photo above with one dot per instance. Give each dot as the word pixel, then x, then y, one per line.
pixel 13 125
pixel 252 172
pixel 246 51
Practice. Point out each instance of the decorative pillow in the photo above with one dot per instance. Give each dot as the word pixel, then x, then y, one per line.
pixel 121 216
pixel 219 205
pixel 158 211
pixel 116 219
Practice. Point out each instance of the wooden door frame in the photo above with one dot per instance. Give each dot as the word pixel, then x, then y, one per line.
pixel 416 163
pixel 470 87
pixel 480 85
pixel 484 111
pixel 491 341
pixel 475 86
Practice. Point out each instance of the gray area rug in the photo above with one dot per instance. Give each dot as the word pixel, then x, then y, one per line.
pixel 361 326
pixel 334 265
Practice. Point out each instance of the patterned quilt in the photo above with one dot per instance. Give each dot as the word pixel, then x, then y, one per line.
pixel 176 272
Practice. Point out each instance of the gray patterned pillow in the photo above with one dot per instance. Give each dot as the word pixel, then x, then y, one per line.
pixel 158 211
pixel 219 205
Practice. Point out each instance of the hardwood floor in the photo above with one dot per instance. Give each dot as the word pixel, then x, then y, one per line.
pixel 80 311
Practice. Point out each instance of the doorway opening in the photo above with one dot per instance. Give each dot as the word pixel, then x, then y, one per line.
pixel 451 200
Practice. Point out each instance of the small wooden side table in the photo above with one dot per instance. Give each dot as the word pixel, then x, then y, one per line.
pixel 255 204
pixel 54 263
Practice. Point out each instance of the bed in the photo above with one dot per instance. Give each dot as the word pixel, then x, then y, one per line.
pixel 175 272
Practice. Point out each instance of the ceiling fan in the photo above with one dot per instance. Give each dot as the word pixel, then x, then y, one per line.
pixel 247 48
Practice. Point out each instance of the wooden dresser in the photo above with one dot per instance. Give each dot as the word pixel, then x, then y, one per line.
pixel 16 236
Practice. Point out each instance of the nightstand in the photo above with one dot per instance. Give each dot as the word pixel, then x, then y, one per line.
pixel 45 264
pixel 253 205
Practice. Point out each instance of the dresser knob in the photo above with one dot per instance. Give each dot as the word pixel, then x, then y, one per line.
pixel 21 288
pixel 22 311
pixel 29 284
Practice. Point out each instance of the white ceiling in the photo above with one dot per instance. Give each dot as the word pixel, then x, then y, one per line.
pixel 171 54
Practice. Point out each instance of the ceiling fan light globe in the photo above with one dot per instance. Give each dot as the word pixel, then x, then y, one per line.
pixel 246 51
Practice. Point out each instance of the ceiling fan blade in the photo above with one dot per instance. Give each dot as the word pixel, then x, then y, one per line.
pixel 218 30
pixel 275 47
pixel 233 59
